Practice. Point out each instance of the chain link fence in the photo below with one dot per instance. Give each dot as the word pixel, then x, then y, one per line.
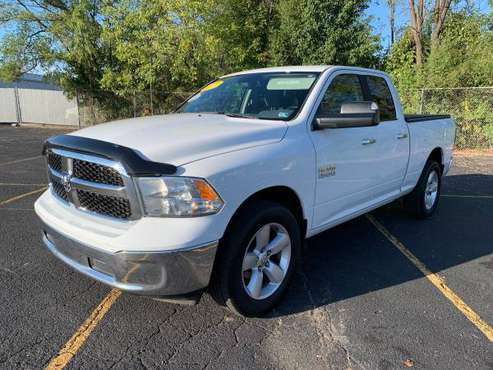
pixel 471 108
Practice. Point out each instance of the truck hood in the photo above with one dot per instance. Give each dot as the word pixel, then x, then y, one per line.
pixel 186 137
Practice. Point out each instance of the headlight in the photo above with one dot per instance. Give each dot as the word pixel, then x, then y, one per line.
pixel 178 197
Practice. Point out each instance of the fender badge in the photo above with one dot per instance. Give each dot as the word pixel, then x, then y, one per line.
pixel 326 171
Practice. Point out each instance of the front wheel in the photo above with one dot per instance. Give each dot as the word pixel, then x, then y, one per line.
pixel 256 259
pixel 423 200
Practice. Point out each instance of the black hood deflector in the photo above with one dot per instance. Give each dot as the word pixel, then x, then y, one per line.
pixel 134 163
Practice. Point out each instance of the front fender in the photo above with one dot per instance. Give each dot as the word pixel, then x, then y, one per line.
pixel 237 176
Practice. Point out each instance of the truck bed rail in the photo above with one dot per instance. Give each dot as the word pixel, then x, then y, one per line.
pixel 424 117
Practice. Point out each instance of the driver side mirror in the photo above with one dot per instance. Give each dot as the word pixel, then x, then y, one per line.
pixel 355 114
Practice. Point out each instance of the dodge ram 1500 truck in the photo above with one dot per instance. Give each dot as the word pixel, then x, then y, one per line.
pixel 222 192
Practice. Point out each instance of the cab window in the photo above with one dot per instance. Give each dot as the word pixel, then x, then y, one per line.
pixel 345 88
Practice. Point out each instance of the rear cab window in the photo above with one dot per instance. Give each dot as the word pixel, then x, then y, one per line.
pixel 380 93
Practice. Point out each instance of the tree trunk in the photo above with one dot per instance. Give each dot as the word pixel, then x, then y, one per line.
pixel 417 16
pixel 391 6
pixel 441 9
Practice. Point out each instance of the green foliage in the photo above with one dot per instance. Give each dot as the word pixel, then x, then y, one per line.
pixel 242 29
pixel 116 54
pixel 20 51
pixel 464 56
pixel 61 38
pixel 114 50
pixel 399 63
pixel 462 59
pixel 159 44
pixel 323 32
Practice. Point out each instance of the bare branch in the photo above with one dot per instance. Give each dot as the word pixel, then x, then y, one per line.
pixel 34 17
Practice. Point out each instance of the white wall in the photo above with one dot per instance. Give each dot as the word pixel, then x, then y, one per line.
pixel 38 105
pixel 7 105
pixel 47 106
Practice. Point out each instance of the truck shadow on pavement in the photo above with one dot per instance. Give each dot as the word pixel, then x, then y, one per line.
pixel 355 258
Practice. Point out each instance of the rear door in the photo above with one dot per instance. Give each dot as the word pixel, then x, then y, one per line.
pixel 357 166
pixel 394 132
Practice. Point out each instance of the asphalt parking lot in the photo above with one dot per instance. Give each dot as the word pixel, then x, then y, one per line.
pixel 359 303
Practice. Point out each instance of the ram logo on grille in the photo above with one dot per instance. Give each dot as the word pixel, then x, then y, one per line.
pixel 67 185
pixel 93 184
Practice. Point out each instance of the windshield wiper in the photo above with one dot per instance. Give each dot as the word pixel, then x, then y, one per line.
pixel 235 115
pixel 238 115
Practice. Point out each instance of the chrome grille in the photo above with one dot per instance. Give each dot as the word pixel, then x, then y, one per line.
pixel 92 184
pixel 104 204
pixel 96 173
pixel 59 190
pixel 55 161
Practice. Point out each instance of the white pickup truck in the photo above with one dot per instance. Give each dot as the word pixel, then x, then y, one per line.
pixel 222 192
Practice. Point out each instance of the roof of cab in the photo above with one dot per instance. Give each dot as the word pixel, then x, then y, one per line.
pixel 285 69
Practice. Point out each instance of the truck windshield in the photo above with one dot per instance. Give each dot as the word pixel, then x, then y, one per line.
pixel 273 96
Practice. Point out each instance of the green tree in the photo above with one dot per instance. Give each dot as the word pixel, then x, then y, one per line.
pixel 157 43
pixel 115 50
pixel 323 32
pixel 180 44
pixel 464 56
pixel 59 37
pixel 243 29
pixel 461 58
pixel 399 63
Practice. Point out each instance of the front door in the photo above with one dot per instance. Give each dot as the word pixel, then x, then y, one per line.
pixel 356 166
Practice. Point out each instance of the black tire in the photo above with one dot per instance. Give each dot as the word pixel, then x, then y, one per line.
pixel 415 202
pixel 227 284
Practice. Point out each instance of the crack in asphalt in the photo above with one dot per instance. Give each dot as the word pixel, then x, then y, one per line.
pixel 22 349
pixel 145 342
pixel 25 347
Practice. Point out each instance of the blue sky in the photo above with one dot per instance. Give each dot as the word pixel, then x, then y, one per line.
pixel 378 12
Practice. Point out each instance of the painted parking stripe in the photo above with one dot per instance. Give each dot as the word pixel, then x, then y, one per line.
pixel 20 160
pixel 13 199
pixel 437 281
pixel 77 340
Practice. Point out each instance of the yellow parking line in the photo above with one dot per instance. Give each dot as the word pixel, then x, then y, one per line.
pixel 20 160
pixel 437 281
pixel 78 339
pixel 13 199
pixel 467 196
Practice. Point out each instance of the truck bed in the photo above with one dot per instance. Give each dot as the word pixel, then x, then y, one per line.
pixel 424 117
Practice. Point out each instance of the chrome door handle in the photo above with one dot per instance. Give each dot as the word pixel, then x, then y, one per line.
pixel 368 141
pixel 401 136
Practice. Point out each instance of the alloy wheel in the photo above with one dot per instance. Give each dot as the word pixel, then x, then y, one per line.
pixel 266 261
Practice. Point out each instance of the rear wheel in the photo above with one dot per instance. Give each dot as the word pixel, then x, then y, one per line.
pixel 256 259
pixel 422 202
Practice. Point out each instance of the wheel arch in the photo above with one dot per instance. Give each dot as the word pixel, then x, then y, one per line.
pixel 437 155
pixel 281 194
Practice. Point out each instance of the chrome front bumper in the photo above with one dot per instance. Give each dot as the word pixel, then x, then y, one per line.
pixel 158 274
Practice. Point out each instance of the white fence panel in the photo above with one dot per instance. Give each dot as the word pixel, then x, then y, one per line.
pixel 47 106
pixel 8 111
